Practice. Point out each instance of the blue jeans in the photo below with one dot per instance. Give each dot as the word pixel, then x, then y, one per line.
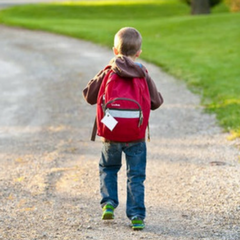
pixel 109 165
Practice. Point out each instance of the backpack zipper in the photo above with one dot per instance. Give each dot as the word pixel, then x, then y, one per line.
pixel 128 99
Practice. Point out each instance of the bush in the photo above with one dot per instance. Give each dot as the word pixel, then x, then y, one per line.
pixel 212 2
pixel 234 5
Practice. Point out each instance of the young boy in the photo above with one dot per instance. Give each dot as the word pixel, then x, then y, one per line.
pixel 127 47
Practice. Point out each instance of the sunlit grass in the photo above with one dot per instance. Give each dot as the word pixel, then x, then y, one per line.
pixel 202 50
pixel 116 2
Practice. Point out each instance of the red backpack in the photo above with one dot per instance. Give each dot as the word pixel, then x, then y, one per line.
pixel 126 103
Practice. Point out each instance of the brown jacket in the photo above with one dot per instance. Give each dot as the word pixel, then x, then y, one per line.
pixel 124 67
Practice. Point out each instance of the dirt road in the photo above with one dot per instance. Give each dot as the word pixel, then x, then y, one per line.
pixel 49 185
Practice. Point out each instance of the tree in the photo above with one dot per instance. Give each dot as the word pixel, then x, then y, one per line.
pixel 200 7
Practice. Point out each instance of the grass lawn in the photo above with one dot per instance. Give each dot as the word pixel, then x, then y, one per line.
pixel 204 50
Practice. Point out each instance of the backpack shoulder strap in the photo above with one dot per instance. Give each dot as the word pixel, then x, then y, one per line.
pixel 94 130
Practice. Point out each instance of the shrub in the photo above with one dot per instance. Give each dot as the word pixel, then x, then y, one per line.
pixel 234 5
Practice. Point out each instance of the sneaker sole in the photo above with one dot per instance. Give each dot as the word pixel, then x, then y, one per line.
pixel 107 216
pixel 138 228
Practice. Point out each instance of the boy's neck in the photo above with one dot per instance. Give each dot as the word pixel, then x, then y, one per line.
pixel 133 58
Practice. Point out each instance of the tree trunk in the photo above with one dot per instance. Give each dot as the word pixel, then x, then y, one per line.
pixel 200 7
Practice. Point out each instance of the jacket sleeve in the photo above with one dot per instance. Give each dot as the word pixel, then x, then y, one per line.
pixel 90 92
pixel 156 97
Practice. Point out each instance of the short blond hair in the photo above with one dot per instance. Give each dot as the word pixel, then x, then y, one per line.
pixel 128 41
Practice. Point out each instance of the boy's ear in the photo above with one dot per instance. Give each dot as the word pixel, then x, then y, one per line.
pixel 115 51
pixel 138 53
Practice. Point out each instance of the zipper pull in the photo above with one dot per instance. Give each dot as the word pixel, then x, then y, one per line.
pixel 140 119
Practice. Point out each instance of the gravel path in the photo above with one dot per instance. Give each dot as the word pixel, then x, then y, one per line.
pixel 49 185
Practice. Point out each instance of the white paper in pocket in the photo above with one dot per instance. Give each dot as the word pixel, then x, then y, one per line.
pixel 109 121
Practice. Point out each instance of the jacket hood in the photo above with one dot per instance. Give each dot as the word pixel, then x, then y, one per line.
pixel 125 67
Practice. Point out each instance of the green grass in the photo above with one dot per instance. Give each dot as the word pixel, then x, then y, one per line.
pixel 202 50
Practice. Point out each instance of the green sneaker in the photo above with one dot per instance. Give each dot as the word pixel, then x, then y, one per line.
pixel 108 212
pixel 137 223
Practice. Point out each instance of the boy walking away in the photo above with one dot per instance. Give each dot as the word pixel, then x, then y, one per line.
pixel 124 93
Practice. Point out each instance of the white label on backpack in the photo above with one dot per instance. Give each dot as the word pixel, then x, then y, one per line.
pixel 109 121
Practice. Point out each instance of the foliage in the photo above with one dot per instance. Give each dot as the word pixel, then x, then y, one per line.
pixel 234 5
pixel 202 50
